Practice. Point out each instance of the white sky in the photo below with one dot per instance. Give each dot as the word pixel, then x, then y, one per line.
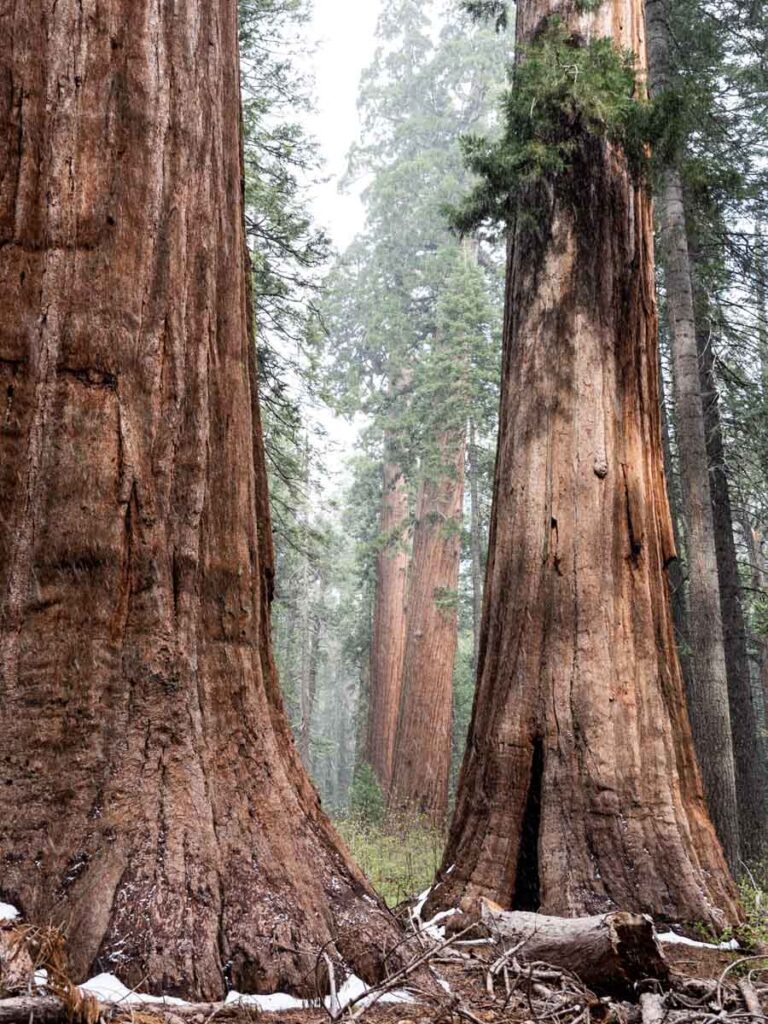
pixel 344 33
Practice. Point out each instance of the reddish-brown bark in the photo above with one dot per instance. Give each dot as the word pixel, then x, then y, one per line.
pixel 422 755
pixel 152 801
pixel 388 638
pixel 580 790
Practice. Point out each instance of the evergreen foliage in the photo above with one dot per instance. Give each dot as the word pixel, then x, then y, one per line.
pixel 493 10
pixel 564 91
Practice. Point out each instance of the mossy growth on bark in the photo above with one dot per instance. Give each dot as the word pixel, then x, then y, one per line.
pixel 566 92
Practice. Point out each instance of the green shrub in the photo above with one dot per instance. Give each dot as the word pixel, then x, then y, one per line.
pixel 366 800
pixel 399 856
pixel 753 886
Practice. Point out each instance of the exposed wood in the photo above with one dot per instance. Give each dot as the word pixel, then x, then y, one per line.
pixel 33 1010
pixel 609 952
pixel 652 1006
pixel 52 1010
pixel 751 999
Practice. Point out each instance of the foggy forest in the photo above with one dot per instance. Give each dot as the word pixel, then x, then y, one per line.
pixel 384 511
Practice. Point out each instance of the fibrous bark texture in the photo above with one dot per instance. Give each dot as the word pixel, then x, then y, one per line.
pixel 580 791
pixel 388 640
pixel 422 756
pixel 152 800
pixel 745 720
pixel 708 681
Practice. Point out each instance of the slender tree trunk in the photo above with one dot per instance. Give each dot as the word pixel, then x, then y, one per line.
pixel 309 688
pixel 388 640
pixel 580 791
pixel 675 573
pixel 754 545
pixel 708 704
pixel 475 543
pixel 747 748
pixel 422 756
pixel 153 803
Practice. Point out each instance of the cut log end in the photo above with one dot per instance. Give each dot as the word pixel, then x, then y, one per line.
pixel 611 953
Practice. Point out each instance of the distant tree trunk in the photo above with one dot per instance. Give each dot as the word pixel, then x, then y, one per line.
pixel 747 748
pixel 153 803
pixel 675 574
pixel 388 638
pixel 422 756
pixel 754 544
pixel 309 688
pixel 345 728
pixel 475 543
pixel 708 704
pixel 580 791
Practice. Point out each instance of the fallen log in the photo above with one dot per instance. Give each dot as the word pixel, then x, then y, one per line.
pixel 53 1010
pixel 610 953
pixel 32 1010
pixel 750 997
pixel 652 1007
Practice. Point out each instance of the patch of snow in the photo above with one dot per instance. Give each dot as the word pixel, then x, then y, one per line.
pixel 354 989
pixel 432 926
pixel 40 978
pixel 8 912
pixel 397 995
pixel 421 899
pixel 680 940
pixel 109 989
pixel 443 983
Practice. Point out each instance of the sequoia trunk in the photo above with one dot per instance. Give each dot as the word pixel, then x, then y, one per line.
pixel 388 639
pixel 153 803
pixel 475 543
pixel 580 791
pixel 422 757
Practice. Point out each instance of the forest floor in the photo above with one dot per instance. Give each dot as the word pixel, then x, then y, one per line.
pixel 473 982
pixel 456 978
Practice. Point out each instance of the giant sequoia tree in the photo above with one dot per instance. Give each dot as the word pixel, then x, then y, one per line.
pixel 418 369
pixel 580 789
pixel 152 802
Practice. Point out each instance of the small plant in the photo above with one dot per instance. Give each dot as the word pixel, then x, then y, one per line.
pixel 400 856
pixel 366 800
pixel 753 887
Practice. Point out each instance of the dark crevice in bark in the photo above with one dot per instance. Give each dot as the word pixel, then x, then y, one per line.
pixel 527 889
